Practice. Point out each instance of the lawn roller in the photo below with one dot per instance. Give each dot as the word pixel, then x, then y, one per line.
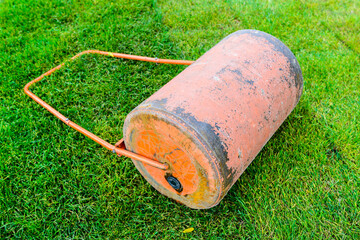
pixel 193 138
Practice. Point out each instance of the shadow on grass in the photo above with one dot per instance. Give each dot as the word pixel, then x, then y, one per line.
pixel 233 211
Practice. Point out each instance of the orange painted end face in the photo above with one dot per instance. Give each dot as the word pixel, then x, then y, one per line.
pixel 152 143
pixel 209 122
pixel 191 179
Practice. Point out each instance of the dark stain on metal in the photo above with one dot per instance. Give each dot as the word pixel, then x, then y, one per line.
pixel 219 112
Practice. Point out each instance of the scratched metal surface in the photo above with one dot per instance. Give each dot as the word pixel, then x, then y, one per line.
pixel 210 121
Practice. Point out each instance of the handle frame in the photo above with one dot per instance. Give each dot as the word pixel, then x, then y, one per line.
pixel 119 148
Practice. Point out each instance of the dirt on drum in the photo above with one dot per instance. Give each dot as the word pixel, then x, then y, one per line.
pixel 210 121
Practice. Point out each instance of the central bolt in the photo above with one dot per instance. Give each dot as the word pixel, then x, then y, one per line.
pixel 174 183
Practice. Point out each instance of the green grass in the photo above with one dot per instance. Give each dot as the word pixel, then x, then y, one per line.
pixel 56 183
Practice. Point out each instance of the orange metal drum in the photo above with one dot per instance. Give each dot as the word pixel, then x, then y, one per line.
pixel 211 121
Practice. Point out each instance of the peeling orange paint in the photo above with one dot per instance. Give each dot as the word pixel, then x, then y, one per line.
pixel 231 100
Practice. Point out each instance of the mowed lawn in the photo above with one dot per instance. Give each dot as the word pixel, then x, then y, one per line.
pixel 56 183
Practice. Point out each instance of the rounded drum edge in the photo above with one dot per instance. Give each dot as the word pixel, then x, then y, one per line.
pixel 160 135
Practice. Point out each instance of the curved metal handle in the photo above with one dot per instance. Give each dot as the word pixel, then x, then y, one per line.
pixel 118 148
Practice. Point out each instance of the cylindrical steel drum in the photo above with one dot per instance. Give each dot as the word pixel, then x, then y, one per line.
pixel 211 120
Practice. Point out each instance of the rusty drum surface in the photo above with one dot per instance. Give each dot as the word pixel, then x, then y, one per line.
pixel 211 120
